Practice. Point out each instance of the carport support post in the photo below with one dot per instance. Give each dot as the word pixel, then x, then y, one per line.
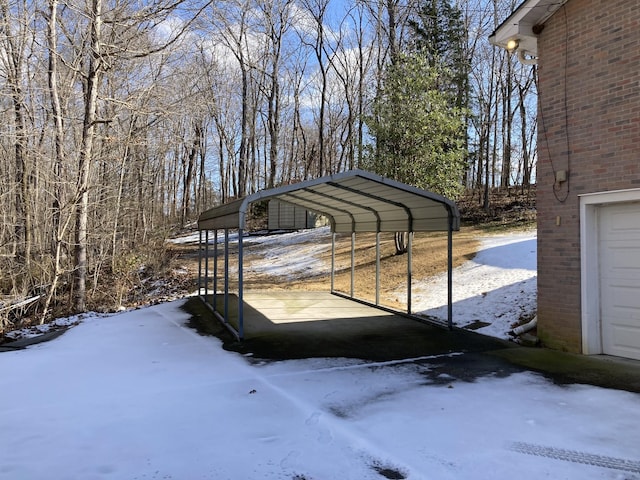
pixel 200 264
pixel 353 261
pixel 240 285
pixel 206 264
pixel 215 269
pixel 378 265
pixel 450 273
pixel 333 259
pixel 226 275
pixel 409 269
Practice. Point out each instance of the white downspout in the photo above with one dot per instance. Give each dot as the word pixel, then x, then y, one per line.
pixel 519 330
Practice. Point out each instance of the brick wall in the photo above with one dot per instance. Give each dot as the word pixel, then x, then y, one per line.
pixel 589 125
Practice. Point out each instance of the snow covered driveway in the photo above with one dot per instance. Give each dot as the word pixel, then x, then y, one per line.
pixel 140 396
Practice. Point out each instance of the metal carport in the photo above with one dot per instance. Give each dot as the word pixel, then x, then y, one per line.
pixel 353 201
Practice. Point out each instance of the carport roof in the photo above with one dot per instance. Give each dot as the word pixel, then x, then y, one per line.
pixel 354 201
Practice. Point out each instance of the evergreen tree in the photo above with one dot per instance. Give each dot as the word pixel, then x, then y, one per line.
pixel 419 132
pixel 440 35
pixel 419 114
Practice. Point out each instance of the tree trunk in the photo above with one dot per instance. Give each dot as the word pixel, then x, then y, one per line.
pixel 59 229
pixel 401 240
pixel 13 47
pixel 507 115
pixel 84 164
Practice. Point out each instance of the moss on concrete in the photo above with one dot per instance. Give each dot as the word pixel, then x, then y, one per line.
pixel 564 368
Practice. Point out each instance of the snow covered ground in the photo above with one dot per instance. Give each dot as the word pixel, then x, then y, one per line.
pixel 139 395
pixel 496 287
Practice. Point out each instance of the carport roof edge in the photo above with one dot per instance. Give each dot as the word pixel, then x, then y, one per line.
pixel 355 200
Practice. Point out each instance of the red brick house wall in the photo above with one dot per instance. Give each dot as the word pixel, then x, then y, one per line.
pixel 589 126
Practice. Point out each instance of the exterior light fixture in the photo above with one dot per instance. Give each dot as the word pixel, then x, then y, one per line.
pixel 513 44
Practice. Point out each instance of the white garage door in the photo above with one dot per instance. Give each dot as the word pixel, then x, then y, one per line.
pixel 619 258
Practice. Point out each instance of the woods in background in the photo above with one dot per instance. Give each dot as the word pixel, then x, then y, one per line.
pixel 123 120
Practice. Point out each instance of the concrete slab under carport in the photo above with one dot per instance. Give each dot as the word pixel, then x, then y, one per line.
pixel 289 324
pixel 287 306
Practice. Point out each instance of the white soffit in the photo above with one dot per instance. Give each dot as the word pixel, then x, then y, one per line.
pixel 522 24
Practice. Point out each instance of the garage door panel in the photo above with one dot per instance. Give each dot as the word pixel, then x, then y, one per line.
pixel 624 341
pixel 619 265
pixel 621 337
pixel 620 222
pixel 623 297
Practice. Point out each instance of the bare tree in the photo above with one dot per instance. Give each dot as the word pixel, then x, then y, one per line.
pixel 233 20
pixel 15 39
pixel 94 70
pixel 277 21
pixel 316 39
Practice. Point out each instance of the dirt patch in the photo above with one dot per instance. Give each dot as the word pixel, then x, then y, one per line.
pixel 389 472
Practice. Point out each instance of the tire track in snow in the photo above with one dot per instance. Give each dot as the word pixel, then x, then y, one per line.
pixel 577 457
pixel 355 366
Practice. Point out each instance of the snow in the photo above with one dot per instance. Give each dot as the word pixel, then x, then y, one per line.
pixel 139 395
pixel 37 330
pixel 497 287
pixel 305 246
